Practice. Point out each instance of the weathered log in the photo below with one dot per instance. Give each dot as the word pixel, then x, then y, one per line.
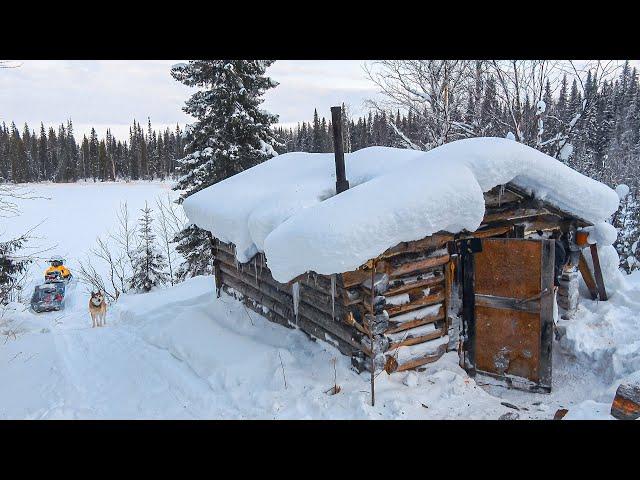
pixel 418 362
pixel 602 291
pixel 417 266
pixel 335 327
pixel 626 403
pixel 498 196
pixel 309 320
pixel 354 278
pixel 437 296
pixel 322 301
pixel 436 279
pixel 409 340
pixel 396 328
pixel 510 212
pixel 262 273
pixel 280 296
pixel 587 277
pixel 560 413
pixel 311 312
pixel 376 324
pixel 261 297
pixel 551 208
pixel 489 231
pixel 437 240
pixel 254 305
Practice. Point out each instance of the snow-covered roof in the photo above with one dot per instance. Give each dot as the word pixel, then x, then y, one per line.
pixel 287 207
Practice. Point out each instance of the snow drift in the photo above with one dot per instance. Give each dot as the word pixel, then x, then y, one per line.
pixel 287 207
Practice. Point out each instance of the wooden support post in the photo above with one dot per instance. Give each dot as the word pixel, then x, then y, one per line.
pixel 588 278
pixel 373 352
pixel 217 274
pixel 338 147
pixel 602 292
pixel 467 249
pixel 518 231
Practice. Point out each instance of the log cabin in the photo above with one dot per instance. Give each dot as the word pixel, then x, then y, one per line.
pixel 482 287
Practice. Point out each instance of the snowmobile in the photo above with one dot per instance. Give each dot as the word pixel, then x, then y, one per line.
pixel 50 295
pixel 57 271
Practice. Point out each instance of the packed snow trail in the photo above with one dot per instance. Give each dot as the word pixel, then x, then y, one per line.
pixel 180 353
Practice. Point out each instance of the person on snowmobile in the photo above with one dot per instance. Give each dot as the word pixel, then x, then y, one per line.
pixel 57 266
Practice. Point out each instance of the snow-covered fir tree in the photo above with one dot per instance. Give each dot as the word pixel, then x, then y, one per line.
pixel 149 263
pixel 231 134
pixel 11 268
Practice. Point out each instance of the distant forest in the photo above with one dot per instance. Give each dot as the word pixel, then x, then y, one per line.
pixel 603 143
pixel 56 156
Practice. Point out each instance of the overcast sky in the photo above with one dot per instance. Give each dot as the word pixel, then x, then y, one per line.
pixel 111 93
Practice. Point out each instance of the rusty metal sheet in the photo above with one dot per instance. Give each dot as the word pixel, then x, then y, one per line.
pixel 508 342
pixel 508 267
pixel 511 321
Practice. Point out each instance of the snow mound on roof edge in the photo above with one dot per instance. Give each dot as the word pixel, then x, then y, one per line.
pixel 287 207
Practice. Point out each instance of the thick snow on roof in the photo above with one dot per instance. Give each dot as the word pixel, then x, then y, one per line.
pixel 287 207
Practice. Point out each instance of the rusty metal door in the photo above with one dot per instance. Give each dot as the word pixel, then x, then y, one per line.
pixel 508 316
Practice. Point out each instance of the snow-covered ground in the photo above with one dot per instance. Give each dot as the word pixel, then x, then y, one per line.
pixel 180 352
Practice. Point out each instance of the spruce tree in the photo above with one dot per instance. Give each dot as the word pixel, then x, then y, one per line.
pixel 148 260
pixel 231 134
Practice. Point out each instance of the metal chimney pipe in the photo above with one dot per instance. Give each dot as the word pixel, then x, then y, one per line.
pixel 338 147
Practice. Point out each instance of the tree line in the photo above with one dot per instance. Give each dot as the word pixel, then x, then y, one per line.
pixel 55 155
pixel 589 119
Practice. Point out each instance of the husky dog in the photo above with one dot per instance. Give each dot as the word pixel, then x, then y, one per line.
pixel 98 309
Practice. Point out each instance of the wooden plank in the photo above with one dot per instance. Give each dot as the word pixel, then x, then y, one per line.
pixel 448 288
pixel 217 274
pixel 356 277
pixel 417 340
pixel 523 210
pixel 418 362
pixel 270 315
pixel 436 240
pixel 272 301
pixel 431 299
pixel 602 292
pixel 496 198
pixel 587 277
pixel 488 232
pixel 468 306
pixel 401 327
pixel 423 264
pixel 437 279
pixel 547 273
pixel 551 208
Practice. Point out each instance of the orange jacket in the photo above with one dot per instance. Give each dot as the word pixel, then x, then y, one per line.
pixel 62 269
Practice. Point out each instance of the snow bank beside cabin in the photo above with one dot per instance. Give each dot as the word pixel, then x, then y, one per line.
pixel 287 207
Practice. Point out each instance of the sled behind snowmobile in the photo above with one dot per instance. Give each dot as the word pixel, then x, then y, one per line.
pixel 49 297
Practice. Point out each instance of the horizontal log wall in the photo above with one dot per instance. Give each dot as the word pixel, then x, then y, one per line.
pixel 317 315
pixel 415 293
